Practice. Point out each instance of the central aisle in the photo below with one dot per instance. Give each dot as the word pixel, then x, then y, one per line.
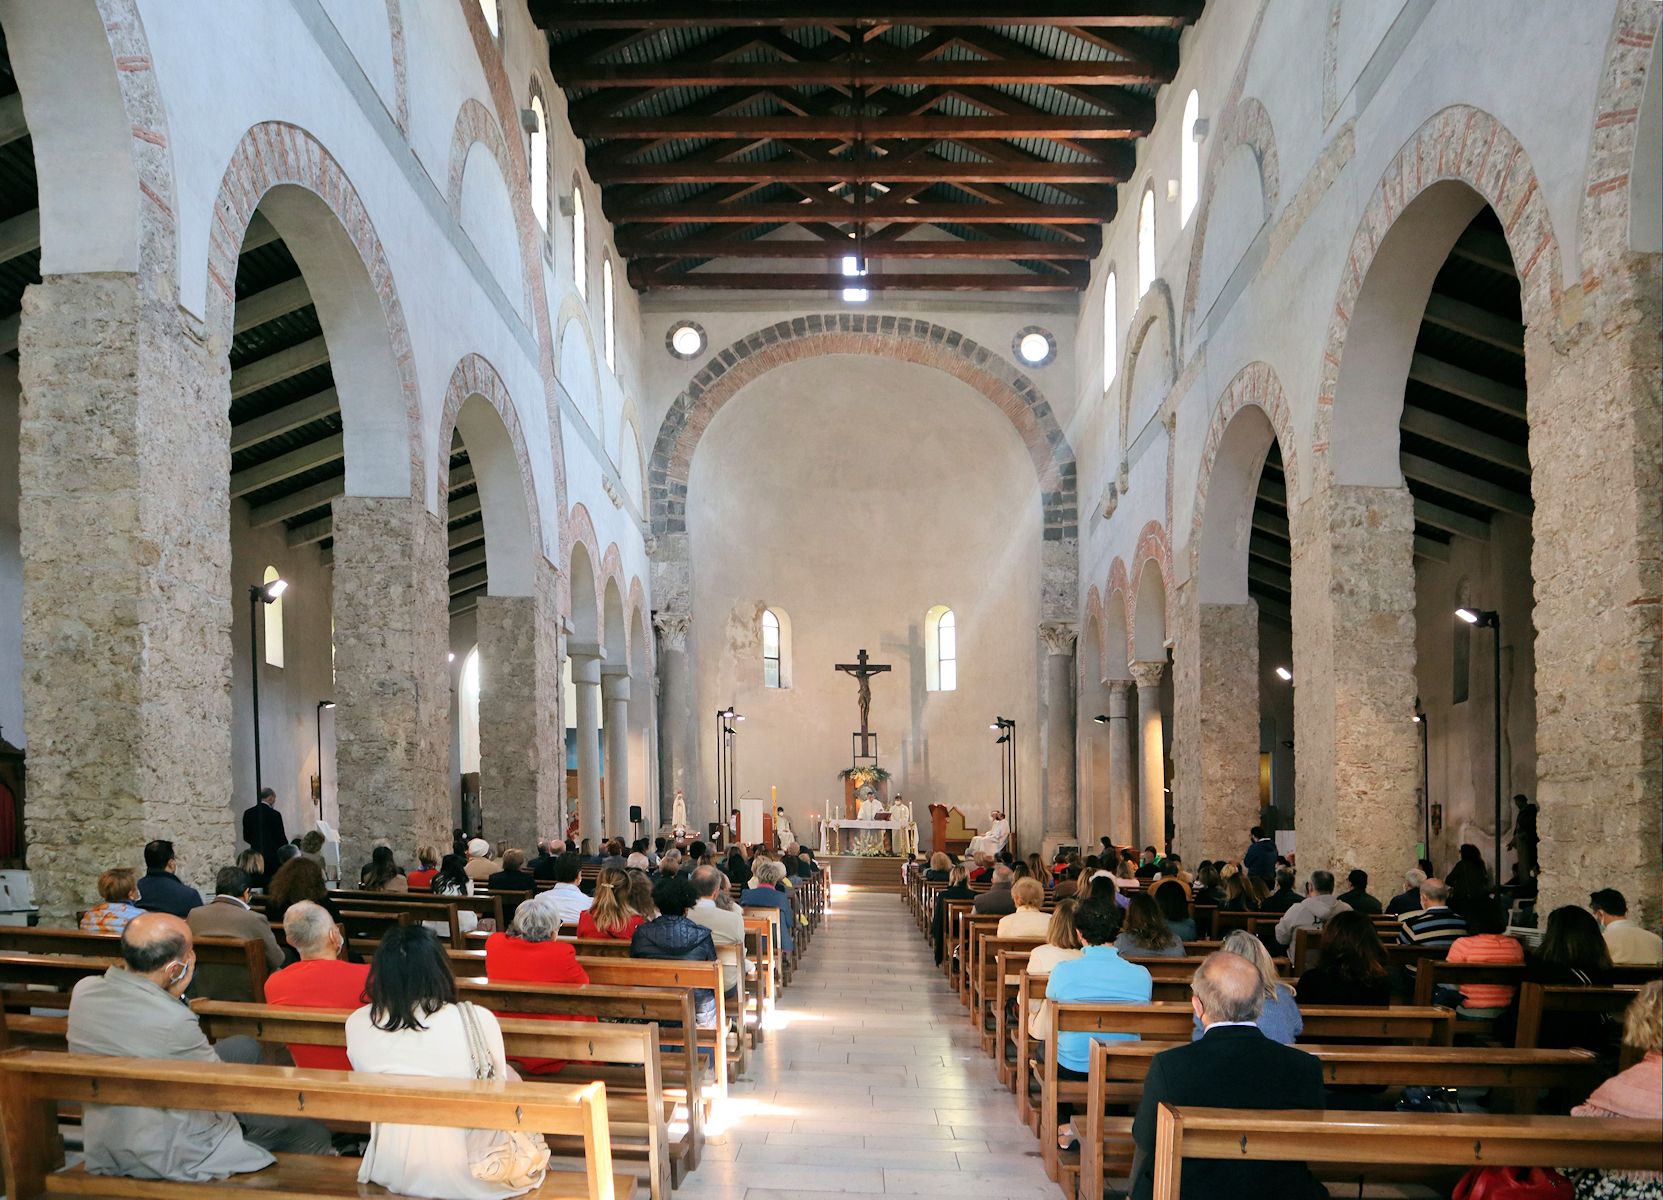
pixel 872 1083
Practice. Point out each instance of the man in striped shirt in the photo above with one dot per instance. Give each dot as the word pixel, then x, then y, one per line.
pixel 1434 924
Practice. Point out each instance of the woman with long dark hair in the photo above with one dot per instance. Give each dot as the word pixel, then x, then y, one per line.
pixel 1145 933
pixel 1572 953
pixel 452 880
pixel 298 879
pixel 1354 968
pixel 381 873
pixel 415 1025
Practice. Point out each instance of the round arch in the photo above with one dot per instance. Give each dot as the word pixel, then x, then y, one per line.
pixel 1117 623
pixel 1150 594
pixel 478 406
pixel 1154 309
pixel 475 125
pixel 583 578
pixel 729 370
pixel 301 189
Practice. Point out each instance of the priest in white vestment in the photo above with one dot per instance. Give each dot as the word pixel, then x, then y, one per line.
pixel 996 838
pixel 782 828
pixel 868 841
pixel 906 831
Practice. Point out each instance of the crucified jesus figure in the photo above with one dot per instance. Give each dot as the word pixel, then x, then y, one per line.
pixel 863 669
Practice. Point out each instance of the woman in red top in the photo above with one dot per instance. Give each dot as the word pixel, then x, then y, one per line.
pixel 529 953
pixel 611 917
pixel 422 880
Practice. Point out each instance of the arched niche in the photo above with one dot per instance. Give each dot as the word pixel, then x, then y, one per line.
pixel 511 549
pixel 1235 216
pixel 486 212
pixel 1149 614
pixel 577 373
pixel 1227 515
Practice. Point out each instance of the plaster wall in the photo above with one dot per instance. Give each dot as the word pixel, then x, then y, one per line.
pixel 855 493
pixel 11 565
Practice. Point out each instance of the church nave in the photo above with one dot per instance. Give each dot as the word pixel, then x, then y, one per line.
pixel 871 1083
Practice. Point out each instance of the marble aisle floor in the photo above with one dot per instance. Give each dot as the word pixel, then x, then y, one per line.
pixel 872 1082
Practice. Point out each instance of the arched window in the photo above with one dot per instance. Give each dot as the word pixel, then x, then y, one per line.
pixel 1146 241
pixel 941 650
pixel 770 649
pixel 540 163
pixel 274 622
pixel 609 316
pixel 1189 159
pixel 467 712
pixel 1111 333
pixel 580 242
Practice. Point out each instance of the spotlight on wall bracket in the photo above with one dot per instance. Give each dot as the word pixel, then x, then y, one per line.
pixel 1102 719
pixel 1479 616
pixel 1285 675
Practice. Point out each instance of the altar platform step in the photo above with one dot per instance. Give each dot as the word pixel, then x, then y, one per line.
pixel 875 874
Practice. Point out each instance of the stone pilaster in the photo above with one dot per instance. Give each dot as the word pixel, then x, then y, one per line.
pixel 1151 828
pixel 522 752
pixel 1594 437
pixel 1060 799
pixel 392 690
pixel 1123 802
pixel 1358 756
pixel 586 720
pixel 124 467
pixel 615 696
pixel 677 763
pixel 1215 718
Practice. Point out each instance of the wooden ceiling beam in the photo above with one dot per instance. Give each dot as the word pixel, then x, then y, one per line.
pixel 646 249
pixel 836 281
pixel 840 210
pixel 673 126
pixel 563 15
pixel 1008 71
pixel 930 170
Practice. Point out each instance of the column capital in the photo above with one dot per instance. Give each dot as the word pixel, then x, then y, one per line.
pixel 1147 673
pixel 586 669
pixel 1118 691
pixel 614 685
pixel 1058 636
pixel 672 628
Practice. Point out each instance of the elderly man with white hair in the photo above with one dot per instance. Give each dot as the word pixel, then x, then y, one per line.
pixel 1233 1065
pixel 321 979
pixel 1407 901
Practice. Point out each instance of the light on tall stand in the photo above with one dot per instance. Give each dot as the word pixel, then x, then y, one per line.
pixel 258 594
pixel 322 704
pixel 725 720
pixel 1490 619
pixel 1007 769
pixel 1425 782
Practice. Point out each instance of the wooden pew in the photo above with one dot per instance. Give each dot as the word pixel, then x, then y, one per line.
pixel 784 960
pixel 1009 967
pixel 682 1073
pixel 422 906
pixel 987 996
pixel 635 1113
pixel 246 954
pixel 1537 1000
pixel 1429 1140
pixel 1175 1022
pixel 34 1082
pixel 974 928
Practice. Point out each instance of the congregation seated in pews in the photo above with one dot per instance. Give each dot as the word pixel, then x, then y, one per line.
pixel 363 981
pixel 1114 1015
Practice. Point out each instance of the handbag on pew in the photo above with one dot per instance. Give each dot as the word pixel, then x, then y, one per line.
pixel 1513 1183
pixel 502 1156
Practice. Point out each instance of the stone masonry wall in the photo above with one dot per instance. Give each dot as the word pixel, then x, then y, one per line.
pixel 1357 763
pixel 1215 741
pixel 522 747
pixel 124 467
pixel 392 692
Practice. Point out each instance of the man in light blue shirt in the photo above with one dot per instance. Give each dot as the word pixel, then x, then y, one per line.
pixel 1098 976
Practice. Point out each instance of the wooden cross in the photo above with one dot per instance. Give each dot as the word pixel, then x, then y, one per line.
pixel 863 670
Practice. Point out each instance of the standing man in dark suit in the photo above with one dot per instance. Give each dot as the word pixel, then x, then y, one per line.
pixel 1232 1066
pixel 263 828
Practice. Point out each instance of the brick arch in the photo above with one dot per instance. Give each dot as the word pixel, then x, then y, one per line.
pixel 637 609
pixel 1153 306
pixel 489 53
pixel 1120 583
pixel 609 573
pixel 1153 547
pixel 1255 385
pixel 922 342
pixel 475 124
pixel 1094 613
pixel 475 376
pixel 580 530
pixel 1466 145
pixel 274 154
pixel 401 76
pixel 1603 220
pixel 1245 123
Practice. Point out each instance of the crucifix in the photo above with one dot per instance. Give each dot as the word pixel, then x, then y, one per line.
pixel 863 670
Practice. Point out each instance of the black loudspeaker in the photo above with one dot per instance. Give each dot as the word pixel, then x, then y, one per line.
pixel 635 813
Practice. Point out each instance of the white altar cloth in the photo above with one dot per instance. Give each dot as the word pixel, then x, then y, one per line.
pixel 835 828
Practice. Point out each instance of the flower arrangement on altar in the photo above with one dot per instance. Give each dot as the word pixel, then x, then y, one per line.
pixel 864 776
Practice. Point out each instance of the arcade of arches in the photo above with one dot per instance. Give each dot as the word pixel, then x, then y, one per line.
pixel 1189 494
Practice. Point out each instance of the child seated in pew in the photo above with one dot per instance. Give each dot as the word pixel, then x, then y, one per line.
pixel 1636 1092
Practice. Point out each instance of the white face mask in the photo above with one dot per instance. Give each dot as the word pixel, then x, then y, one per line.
pixel 181 970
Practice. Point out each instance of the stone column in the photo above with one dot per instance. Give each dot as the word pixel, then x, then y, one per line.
pixel 1594 433
pixel 586 682
pixel 1060 799
pixel 1151 756
pixel 1123 806
pixel 677 759
pixel 392 688
pixel 1358 765
pixel 522 748
pixel 1215 717
pixel 124 467
pixel 615 695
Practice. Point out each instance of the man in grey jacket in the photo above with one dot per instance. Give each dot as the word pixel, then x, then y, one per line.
pixel 136 1011
pixel 1319 904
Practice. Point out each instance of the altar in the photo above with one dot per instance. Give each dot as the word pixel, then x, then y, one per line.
pixel 855 827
